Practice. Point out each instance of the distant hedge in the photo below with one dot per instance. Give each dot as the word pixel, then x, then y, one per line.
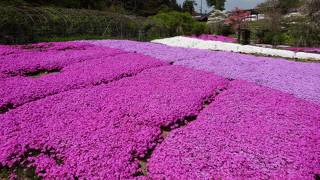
pixel 28 24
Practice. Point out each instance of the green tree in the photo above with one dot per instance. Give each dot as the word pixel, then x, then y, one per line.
pixel 167 24
pixel 188 6
pixel 218 4
pixel 140 7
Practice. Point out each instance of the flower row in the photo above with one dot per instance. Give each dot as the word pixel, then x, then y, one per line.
pixel 187 42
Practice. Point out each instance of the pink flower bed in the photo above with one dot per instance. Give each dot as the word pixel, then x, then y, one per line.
pixel 19 90
pixel 296 78
pixel 159 51
pixel 210 37
pixel 52 56
pixel 248 132
pixel 112 106
pixel 304 49
pixel 101 132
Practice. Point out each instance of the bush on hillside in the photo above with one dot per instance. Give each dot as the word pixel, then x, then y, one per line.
pixel 27 24
pixel 167 24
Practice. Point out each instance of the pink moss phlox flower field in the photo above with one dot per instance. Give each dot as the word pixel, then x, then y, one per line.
pixel 19 90
pixel 210 37
pixel 248 132
pixel 300 79
pixel 171 54
pixel 50 57
pixel 115 109
pixel 100 132
pixel 304 49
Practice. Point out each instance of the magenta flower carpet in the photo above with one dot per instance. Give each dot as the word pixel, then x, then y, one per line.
pixel 132 110
pixel 210 37
pixel 305 49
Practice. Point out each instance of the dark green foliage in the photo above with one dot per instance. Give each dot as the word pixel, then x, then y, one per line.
pixel 218 4
pixel 188 6
pixel 166 24
pixel 299 31
pixel 220 28
pixel 296 29
pixel 305 33
pixel 149 7
pixel 25 24
pixel 45 21
pixel 199 28
pixel 140 7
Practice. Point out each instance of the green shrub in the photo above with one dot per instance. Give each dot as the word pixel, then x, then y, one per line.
pixel 294 31
pixel 28 24
pixel 166 24
pixel 274 38
pixel 305 33
pixel 220 28
pixel 199 28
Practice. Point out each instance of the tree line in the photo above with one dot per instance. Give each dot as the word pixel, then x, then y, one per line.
pixel 139 7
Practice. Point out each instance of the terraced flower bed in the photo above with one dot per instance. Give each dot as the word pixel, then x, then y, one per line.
pixel 133 110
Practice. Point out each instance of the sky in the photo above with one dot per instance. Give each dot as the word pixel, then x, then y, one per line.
pixel 230 4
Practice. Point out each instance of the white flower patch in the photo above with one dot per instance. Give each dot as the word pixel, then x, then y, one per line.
pixel 251 49
pixel 206 45
pixel 187 42
pixel 179 41
pixel 230 47
pixel 278 52
pixel 307 56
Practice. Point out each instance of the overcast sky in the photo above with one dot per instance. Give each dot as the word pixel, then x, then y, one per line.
pixel 230 4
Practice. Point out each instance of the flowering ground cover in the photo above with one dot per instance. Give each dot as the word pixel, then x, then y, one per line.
pixel 211 37
pixel 187 42
pixel 300 79
pixel 305 49
pixel 23 60
pixel 248 132
pixel 297 78
pixel 153 50
pixel 18 90
pixel 134 110
pixel 100 132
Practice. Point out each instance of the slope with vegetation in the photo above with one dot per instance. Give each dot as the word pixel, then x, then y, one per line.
pixel 291 22
pixel 36 20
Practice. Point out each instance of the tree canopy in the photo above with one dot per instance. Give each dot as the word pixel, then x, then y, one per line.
pixel 140 7
pixel 188 6
pixel 218 4
pixel 281 6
